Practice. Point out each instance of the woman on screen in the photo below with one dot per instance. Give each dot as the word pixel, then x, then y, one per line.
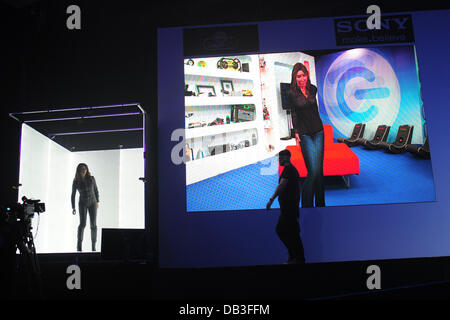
pixel 309 134
pixel 88 201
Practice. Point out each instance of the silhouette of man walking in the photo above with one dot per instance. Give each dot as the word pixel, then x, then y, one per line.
pixel 288 193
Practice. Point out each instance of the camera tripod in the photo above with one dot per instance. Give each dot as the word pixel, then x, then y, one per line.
pixel 28 260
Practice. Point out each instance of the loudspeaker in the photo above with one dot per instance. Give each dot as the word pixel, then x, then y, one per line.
pixel 124 244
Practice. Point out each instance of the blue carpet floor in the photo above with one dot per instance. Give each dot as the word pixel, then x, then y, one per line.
pixel 383 178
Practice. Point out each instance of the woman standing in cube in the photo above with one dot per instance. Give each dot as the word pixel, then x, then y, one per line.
pixel 309 134
pixel 89 200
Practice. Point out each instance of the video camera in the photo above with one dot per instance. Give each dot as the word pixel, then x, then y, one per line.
pixel 21 212
pixel 15 233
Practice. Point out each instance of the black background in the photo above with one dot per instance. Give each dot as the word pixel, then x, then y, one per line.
pixel 112 59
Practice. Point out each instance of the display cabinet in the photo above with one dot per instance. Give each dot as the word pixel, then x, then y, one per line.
pixel 223 115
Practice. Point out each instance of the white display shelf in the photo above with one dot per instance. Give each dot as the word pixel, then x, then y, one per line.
pixel 201 169
pixel 219 129
pixel 218 101
pixel 217 73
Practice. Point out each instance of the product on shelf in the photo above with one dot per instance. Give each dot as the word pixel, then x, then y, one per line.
pixel 229 63
pixel 240 145
pixel 218 121
pixel 253 139
pixel 201 64
pixel 200 154
pixel 190 62
pixel 262 64
pixel 188 93
pixel 241 113
pixel 227 87
pixel 247 93
pixel 189 153
pixel 266 114
pixel 213 150
pixel 206 90
pixel 196 125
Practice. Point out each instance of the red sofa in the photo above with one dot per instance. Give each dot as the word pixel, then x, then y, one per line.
pixel 339 159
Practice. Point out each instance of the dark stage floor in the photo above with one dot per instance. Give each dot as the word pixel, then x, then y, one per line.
pixel 426 278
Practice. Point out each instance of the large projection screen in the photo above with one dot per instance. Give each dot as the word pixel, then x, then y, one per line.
pixel 374 86
pixel 220 220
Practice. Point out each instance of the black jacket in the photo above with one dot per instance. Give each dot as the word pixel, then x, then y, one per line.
pixel 88 191
pixel 305 111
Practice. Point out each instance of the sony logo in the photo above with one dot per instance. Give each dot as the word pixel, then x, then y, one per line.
pixel 391 23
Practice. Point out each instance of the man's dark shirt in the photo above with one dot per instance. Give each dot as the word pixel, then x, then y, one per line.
pixel 290 195
pixel 88 191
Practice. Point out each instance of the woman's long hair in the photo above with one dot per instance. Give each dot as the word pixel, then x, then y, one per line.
pixel 294 88
pixel 78 174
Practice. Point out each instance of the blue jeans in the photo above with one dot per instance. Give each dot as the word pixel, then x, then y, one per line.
pixel 313 187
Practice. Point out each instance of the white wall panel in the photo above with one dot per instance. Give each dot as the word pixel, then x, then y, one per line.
pixel 47 171
pixel 131 201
